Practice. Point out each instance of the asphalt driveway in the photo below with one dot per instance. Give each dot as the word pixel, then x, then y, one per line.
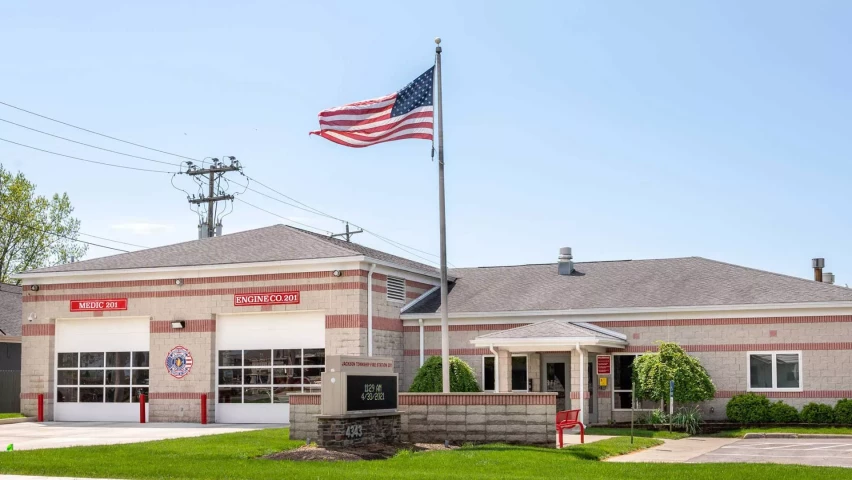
pixel 834 452
pixel 31 436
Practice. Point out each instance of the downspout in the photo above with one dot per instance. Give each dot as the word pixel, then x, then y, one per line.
pixel 370 310
pixel 496 369
pixel 582 367
pixel 420 321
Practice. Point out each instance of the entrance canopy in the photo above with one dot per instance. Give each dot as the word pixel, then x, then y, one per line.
pixel 552 336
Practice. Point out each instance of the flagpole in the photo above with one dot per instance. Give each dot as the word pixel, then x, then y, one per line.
pixel 445 322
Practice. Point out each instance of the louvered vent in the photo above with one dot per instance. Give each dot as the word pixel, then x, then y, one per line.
pixel 396 289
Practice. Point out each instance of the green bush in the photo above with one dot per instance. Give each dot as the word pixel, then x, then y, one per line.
pixel 780 412
pixel 430 377
pixel 817 413
pixel 653 371
pixel 688 418
pixel 843 412
pixel 748 408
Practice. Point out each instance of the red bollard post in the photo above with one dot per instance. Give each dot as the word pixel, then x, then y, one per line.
pixel 204 409
pixel 40 407
pixel 142 408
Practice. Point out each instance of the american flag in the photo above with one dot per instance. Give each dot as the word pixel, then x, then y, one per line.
pixel 398 116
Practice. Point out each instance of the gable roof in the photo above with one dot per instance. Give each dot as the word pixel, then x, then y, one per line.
pixel 671 282
pixel 11 309
pixel 268 244
pixel 555 329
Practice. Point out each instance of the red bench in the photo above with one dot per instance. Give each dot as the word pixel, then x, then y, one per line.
pixel 569 419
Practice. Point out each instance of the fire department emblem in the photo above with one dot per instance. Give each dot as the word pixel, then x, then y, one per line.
pixel 179 362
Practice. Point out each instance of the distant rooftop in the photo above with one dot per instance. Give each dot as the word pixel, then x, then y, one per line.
pixel 10 310
pixel 269 244
pixel 670 282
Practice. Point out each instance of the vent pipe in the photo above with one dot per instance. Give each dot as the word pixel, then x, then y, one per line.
pixel 818 264
pixel 566 266
pixel 828 277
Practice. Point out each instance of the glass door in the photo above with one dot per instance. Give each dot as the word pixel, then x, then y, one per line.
pixel 555 378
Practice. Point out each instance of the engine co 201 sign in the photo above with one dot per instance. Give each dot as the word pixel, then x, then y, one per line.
pixel 99 305
pixel 277 298
pixel 371 392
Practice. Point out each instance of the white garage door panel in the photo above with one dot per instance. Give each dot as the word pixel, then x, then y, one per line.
pixel 265 331
pixel 107 334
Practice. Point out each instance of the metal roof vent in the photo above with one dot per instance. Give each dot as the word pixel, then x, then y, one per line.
pixel 828 277
pixel 566 266
pixel 818 264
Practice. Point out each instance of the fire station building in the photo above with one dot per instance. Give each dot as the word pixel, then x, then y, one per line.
pixel 248 318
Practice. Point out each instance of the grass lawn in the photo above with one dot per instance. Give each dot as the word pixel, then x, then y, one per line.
pixel 234 456
pixel 636 433
pixel 10 415
pixel 820 430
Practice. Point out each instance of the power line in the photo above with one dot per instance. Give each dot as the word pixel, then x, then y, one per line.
pixel 63 236
pixel 84 159
pixel 114 241
pixel 282 217
pixel 97 133
pixel 89 145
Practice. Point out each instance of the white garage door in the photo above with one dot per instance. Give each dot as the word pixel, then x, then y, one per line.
pixel 101 368
pixel 261 359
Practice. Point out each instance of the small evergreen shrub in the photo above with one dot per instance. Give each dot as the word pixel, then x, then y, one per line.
pixel 430 377
pixel 748 408
pixel 843 412
pixel 780 412
pixel 817 413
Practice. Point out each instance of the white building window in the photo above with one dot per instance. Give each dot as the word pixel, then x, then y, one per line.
pixel 519 373
pixel 622 383
pixel 268 376
pixel 774 371
pixel 101 377
pixel 396 289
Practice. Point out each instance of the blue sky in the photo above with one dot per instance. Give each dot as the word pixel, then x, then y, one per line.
pixel 621 129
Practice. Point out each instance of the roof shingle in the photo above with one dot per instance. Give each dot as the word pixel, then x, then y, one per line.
pixel 10 310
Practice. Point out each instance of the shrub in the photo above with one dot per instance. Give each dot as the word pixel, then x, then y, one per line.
pixel 653 371
pixel 748 408
pixel 843 411
pixel 817 413
pixel 780 412
pixel 430 377
pixel 688 418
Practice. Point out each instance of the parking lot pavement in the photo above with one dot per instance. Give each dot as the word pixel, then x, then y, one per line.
pixel 803 451
pixel 674 451
pixel 30 436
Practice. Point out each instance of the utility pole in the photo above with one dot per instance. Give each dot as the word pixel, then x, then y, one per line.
pixel 348 234
pixel 215 171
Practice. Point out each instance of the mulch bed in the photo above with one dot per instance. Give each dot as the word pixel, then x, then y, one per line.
pixel 312 453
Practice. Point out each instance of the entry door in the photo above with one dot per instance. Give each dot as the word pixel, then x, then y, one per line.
pixel 556 378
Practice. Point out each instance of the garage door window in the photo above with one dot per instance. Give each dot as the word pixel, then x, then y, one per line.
pixel 101 377
pixel 268 376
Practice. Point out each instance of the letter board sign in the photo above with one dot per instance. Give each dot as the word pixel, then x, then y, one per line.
pixel 277 298
pixel 604 363
pixel 99 305
pixel 371 392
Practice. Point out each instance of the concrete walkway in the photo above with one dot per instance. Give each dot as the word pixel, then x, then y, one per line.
pixel 676 451
pixel 572 439
pixel 31 436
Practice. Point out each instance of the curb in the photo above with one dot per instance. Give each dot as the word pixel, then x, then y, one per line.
pixel 7 421
pixel 794 435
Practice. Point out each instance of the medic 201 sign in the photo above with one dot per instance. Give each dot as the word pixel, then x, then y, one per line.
pixel 99 305
pixel 278 298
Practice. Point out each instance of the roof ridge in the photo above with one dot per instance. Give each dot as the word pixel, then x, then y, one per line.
pixel 316 236
pixel 776 274
pixel 575 263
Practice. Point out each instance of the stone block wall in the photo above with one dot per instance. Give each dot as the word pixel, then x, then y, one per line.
pixel 522 418
pixel 343 431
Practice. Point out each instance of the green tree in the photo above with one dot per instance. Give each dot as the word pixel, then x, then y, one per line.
pixel 430 377
pixel 653 371
pixel 34 231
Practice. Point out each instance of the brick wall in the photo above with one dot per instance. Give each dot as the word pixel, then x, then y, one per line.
pixel 343 300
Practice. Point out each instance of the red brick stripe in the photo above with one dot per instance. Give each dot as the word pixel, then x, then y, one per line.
pixel 165 282
pixel 355 320
pixel 804 394
pixel 192 326
pixel 202 292
pixel 576 395
pixel 38 330
pixel 743 347
pixel 692 322
pixel 466 328
pixel 179 396
pixel 422 286
pixel 477 399
pixel 306 399
pixel 453 351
